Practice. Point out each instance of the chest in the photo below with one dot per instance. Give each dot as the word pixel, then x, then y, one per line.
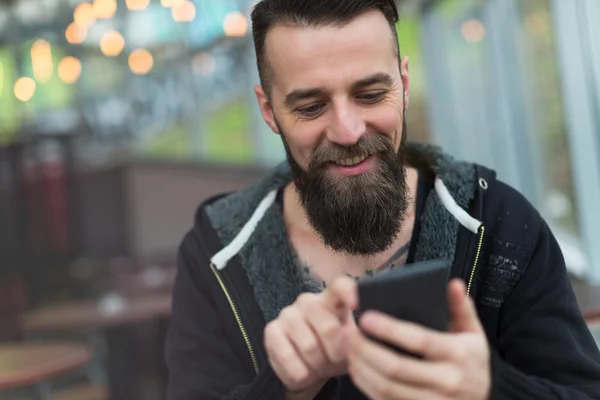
pixel 320 266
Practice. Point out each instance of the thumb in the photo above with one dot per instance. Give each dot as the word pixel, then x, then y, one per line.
pixel 463 315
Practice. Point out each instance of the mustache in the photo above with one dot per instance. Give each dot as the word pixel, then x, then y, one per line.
pixel 366 146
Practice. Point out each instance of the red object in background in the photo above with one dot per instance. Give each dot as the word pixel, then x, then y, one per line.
pixel 33 196
pixel 13 302
pixel 54 191
pixel 47 201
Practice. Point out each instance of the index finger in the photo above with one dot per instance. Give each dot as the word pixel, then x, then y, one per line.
pixel 342 295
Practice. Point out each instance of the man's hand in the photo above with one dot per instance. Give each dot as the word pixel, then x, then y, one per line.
pixel 305 342
pixel 454 365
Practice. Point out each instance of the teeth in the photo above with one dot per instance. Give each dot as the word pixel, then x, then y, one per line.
pixel 350 161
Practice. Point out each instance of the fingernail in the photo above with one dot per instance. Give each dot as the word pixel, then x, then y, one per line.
pixel 370 318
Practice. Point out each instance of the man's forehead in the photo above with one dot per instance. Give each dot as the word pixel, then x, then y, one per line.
pixel 306 56
pixel 369 25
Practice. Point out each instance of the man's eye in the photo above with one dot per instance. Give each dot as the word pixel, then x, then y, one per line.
pixel 371 97
pixel 311 111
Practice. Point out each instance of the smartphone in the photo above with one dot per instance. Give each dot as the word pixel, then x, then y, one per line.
pixel 416 293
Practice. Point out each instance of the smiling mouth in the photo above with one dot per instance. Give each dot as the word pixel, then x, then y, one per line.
pixel 349 162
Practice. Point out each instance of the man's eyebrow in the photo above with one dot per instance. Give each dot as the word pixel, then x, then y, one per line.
pixel 302 94
pixel 378 78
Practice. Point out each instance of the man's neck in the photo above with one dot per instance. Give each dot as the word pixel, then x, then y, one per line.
pixel 310 248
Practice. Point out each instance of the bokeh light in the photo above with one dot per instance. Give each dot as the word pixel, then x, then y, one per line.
pixel 75 33
pixel 473 31
pixel 84 14
pixel 137 5
pixel 41 60
pixel 69 69
pixel 24 89
pixel 185 12
pixel 140 61
pixel 104 9
pixel 235 24
pixel 112 43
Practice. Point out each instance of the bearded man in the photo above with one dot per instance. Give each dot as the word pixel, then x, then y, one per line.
pixel 266 287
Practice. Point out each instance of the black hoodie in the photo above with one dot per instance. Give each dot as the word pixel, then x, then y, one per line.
pixel 235 273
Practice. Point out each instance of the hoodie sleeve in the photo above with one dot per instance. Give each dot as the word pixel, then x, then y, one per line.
pixel 545 350
pixel 201 359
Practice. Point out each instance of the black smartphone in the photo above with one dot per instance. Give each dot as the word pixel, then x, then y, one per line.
pixel 416 293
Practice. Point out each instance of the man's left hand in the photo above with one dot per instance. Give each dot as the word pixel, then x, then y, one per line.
pixel 454 365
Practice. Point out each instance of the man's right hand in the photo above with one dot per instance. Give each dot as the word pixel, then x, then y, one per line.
pixel 304 343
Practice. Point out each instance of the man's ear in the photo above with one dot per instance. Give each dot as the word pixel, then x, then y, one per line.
pixel 405 80
pixel 266 109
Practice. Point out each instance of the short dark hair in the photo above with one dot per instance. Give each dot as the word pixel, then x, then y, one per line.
pixel 310 13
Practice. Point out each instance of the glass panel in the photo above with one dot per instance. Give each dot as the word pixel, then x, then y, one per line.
pixel 409 35
pixel 468 72
pixel 593 18
pixel 545 111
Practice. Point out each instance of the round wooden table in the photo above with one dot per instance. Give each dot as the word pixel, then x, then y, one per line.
pixel 112 322
pixel 27 363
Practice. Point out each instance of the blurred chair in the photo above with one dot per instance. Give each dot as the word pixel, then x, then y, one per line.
pixel 13 303
pixel 82 392
pixel 13 235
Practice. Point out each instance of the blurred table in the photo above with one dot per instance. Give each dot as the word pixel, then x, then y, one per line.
pixel 108 312
pixel 25 364
pixel 148 282
pixel 125 330
pixel 123 275
pixel 83 392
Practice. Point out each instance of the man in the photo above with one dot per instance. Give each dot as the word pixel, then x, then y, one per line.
pixel 262 307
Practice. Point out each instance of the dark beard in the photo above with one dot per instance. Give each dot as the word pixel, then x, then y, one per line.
pixel 359 215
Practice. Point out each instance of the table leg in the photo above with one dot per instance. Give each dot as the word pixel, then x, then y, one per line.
pixel 42 390
pixel 96 371
pixel 121 365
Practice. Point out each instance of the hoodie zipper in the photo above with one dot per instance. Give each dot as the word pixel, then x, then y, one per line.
pixel 238 319
pixel 479 244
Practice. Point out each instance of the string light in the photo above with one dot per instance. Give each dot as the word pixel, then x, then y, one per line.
pixel 1 79
pixel 75 33
pixel 84 14
pixel 185 12
pixel 41 60
pixel 473 31
pixel 136 5
pixel 104 9
pixel 112 44
pixel 24 89
pixel 69 69
pixel 235 24
pixel 171 3
pixel 140 61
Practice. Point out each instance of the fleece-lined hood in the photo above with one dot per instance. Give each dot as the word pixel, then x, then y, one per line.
pixel 252 227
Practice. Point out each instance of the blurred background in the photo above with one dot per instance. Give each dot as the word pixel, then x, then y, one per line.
pixel 118 117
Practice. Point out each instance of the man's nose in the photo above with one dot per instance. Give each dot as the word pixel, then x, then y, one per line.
pixel 347 126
